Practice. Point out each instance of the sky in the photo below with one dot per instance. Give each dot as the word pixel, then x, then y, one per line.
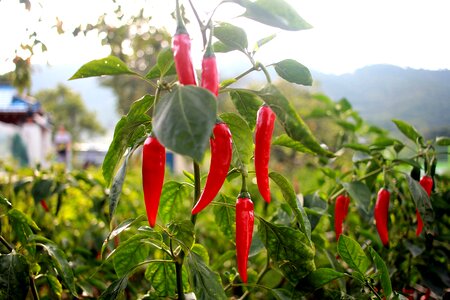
pixel 346 34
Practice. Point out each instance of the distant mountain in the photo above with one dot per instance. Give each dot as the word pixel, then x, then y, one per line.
pixel 379 92
pixel 384 92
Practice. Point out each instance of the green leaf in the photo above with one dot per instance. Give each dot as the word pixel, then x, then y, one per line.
pixel 110 65
pixel 116 188
pixel 247 104
pixel 220 47
pixel 184 119
pixel 285 141
pixel 289 249
pixel 409 131
pixel 231 36
pixel 55 285
pixel 162 277
pixel 59 261
pixel 423 203
pixel 344 105
pixel 21 225
pixel 263 41
pixel 201 251
pixel 205 282
pixel 242 139
pixel 182 232
pixel 293 71
pixel 276 13
pixel 165 65
pixel 319 277
pixel 115 289
pixel 133 251
pixel 14 278
pixel 281 294
pixel 442 141
pixel 20 217
pixel 173 195
pixel 294 126
pixel 291 198
pixel 121 228
pixel 316 204
pixel 225 216
pixel 42 189
pixel 360 193
pixel 383 272
pixel 357 147
pixel 124 134
pixel 352 253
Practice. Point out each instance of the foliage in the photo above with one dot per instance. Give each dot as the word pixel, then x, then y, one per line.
pixel 321 150
pixel 67 108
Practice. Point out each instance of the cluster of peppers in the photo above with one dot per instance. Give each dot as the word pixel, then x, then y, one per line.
pixel 154 155
pixel 381 211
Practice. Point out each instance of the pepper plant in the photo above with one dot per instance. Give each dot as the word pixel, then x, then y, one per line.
pixel 238 225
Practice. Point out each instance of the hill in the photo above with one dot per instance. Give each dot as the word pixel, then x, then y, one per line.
pixel 384 92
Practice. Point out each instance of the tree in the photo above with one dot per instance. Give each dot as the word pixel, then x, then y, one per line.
pixel 67 108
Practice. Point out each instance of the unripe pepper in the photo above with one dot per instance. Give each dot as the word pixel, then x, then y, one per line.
pixel 244 232
pixel 265 122
pixel 427 183
pixel 181 47
pixel 340 213
pixel 153 167
pixel 221 152
pixel 382 215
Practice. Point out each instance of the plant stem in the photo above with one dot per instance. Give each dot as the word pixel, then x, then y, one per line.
pixel 7 245
pixel 200 24
pixel 373 290
pixel 197 188
pixel 238 77
pixel 180 258
pixel 266 73
pixel 179 273
pixel 34 291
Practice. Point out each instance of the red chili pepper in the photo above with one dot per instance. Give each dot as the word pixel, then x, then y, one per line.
pixel 44 205
pixel 427 183
pixel 221 152
pixel 340 213
pixel 265 122
pixel 382 215
pixel 210 75
pixel 153 167
pixel 244 231
pixel 181 47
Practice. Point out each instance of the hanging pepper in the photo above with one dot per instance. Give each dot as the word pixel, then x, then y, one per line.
pixel 244 231
pixel 265 122
pixel 44 205
pixel 210 75
pixel 382 215
pixel 427 183
pixel 181 47
pixel 221 152
pixel 340 213
pixel 153 167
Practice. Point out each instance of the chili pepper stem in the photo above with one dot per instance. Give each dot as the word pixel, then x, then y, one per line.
pixel 197 189
pixel 179 274
pixel 6 244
